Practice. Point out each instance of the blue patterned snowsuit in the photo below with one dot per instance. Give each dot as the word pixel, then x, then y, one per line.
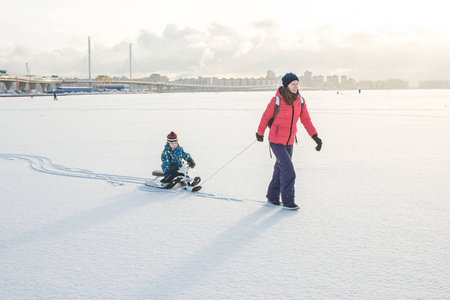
pixel 172 159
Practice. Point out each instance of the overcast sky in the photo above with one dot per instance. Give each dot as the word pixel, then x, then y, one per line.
pixel 373 40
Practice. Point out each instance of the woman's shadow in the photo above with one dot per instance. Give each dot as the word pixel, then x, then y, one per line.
pixel 217 252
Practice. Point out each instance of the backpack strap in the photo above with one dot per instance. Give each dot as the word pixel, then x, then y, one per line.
pixel 302 103
pixel 277 101
pixel 275 111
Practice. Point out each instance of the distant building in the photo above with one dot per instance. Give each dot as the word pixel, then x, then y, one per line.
pixel 271 75
pixel 332 82
pixel 434 84
pixel 318 82
pixel 156 78
pixel 351 84
pixel 204 80
pixel 343 83
pixel 395 84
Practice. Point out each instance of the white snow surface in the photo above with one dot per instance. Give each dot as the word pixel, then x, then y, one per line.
pixel 76 221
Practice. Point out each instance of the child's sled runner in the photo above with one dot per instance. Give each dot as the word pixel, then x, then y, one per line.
pixel 182 181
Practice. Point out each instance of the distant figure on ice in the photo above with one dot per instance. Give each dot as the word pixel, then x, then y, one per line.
pixel 291 107
pixel 359 91
pixel 54 97
pixel 172 158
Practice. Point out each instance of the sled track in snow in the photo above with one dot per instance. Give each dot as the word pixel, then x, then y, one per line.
pixel 45 165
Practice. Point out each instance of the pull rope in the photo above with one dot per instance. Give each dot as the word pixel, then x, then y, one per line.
pixel 203 182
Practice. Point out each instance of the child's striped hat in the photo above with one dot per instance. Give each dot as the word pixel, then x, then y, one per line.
pixel 172 137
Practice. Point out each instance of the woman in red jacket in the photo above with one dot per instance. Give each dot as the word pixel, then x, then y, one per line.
pixel 282 136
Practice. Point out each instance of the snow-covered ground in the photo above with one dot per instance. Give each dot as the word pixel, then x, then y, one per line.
pixel 76 221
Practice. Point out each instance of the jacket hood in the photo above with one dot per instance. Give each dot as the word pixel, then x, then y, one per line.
pixel 279 92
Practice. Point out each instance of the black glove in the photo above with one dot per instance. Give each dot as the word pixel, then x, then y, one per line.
pixel 318 141
pixel 174 167
pixel 260 138
pixel 191 163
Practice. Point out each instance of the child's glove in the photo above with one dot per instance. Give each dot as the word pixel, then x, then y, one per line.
pixel 191 163
pixel 174 167
pixel 318 141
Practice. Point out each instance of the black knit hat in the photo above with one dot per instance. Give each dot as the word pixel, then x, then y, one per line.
pixel 288 78
pixel 172 137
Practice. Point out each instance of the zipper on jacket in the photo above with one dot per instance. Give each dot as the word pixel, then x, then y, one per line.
pixel 292 122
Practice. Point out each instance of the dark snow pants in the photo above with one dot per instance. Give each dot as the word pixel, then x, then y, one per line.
pixel 170 175
pixel 283 178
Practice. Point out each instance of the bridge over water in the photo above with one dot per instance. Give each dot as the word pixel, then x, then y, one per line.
pixel 25 84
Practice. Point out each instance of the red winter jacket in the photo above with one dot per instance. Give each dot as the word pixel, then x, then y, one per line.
pixel 284 127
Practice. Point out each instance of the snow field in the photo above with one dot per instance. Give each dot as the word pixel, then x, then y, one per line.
pixel 77 223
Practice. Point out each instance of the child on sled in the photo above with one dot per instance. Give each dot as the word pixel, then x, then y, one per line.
pixel 172 159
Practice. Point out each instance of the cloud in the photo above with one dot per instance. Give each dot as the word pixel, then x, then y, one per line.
pixel 268 25
pixel 366 53
pixel 207 55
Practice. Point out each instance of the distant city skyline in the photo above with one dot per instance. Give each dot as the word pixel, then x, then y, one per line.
pixel 306 80
pixel 159 83
pixel 386 40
